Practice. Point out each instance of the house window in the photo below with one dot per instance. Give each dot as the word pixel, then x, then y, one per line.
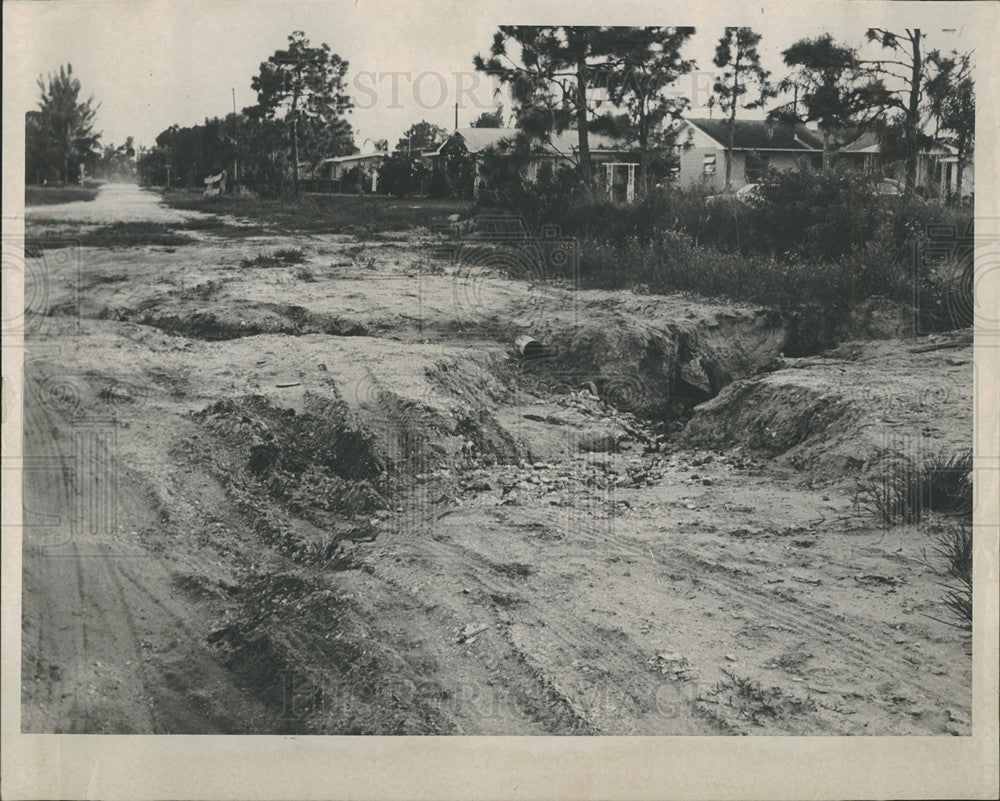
pixel 756 166
pixel 709 164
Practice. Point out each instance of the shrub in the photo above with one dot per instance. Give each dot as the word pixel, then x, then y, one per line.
pixel 904 490
pixel 401 174
pixel 954 547
pixel 813 238
pixel 280 257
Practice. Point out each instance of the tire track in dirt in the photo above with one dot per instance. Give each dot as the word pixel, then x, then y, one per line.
pixel 567 630
pixel 106 646
pixel 549 638
pixel 508 670
pixel 813 620
pixel 821 628
pixel 484 695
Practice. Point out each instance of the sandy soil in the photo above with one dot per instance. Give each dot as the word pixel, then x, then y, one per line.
pixel 328 497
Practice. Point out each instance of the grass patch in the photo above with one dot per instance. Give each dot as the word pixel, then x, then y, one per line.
pixel 821 240
pixel 51 195
pixel 283 257
pixel 954 549
pixel 116 235
pixel 904 490
pixel 360 215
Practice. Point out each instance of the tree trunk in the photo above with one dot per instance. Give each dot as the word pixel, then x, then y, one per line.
pixel 732 120
pixel 295 155
pixel 581 119
pixel 732 143
pixel 643 149
pixel 960 167
pixel 643 164
pixel 913 115
pixel 65 153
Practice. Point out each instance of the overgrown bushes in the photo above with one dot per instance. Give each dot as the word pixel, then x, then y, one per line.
pixel 808 237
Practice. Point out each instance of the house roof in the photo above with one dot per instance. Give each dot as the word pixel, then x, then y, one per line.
pixel 480 139
pixel 355 157
pixel 760 135
pixel 868 143
pixel 566 142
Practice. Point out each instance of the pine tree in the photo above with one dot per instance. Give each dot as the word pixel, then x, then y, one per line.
pixel 305 87
pixel 736 54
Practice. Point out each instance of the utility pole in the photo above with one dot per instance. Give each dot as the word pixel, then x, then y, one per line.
pixel 456 116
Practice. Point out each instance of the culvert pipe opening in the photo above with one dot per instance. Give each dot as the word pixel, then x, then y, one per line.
pixel 528 347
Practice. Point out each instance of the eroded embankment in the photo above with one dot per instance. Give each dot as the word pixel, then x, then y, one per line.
pixel 838 415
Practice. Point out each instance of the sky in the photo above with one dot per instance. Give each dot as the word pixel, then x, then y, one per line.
pixel 153 64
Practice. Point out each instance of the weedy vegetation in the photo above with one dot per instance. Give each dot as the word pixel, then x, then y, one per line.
pixel 752 701
pixel 283 257
pixel 906 490
pixel 954 550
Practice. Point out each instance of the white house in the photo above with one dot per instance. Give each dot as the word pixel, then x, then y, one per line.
pixel 336 168
pixel 758 145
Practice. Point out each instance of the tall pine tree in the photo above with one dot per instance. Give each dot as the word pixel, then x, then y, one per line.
pixel 305 87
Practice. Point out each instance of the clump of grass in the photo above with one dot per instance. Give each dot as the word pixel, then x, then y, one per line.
pixel 280 258
pixel 754 702
pixel 949 483
pixel 206 223
pixel 954 548
pixel 290 255
pixel 905 489
pixel 325 213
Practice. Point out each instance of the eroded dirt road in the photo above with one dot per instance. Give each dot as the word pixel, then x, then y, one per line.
pixel 318 492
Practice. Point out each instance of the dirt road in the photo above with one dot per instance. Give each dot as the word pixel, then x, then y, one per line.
pixel 302 484
pixel 114 203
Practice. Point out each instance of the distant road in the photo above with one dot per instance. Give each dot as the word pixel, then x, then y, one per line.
pixel 114 203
